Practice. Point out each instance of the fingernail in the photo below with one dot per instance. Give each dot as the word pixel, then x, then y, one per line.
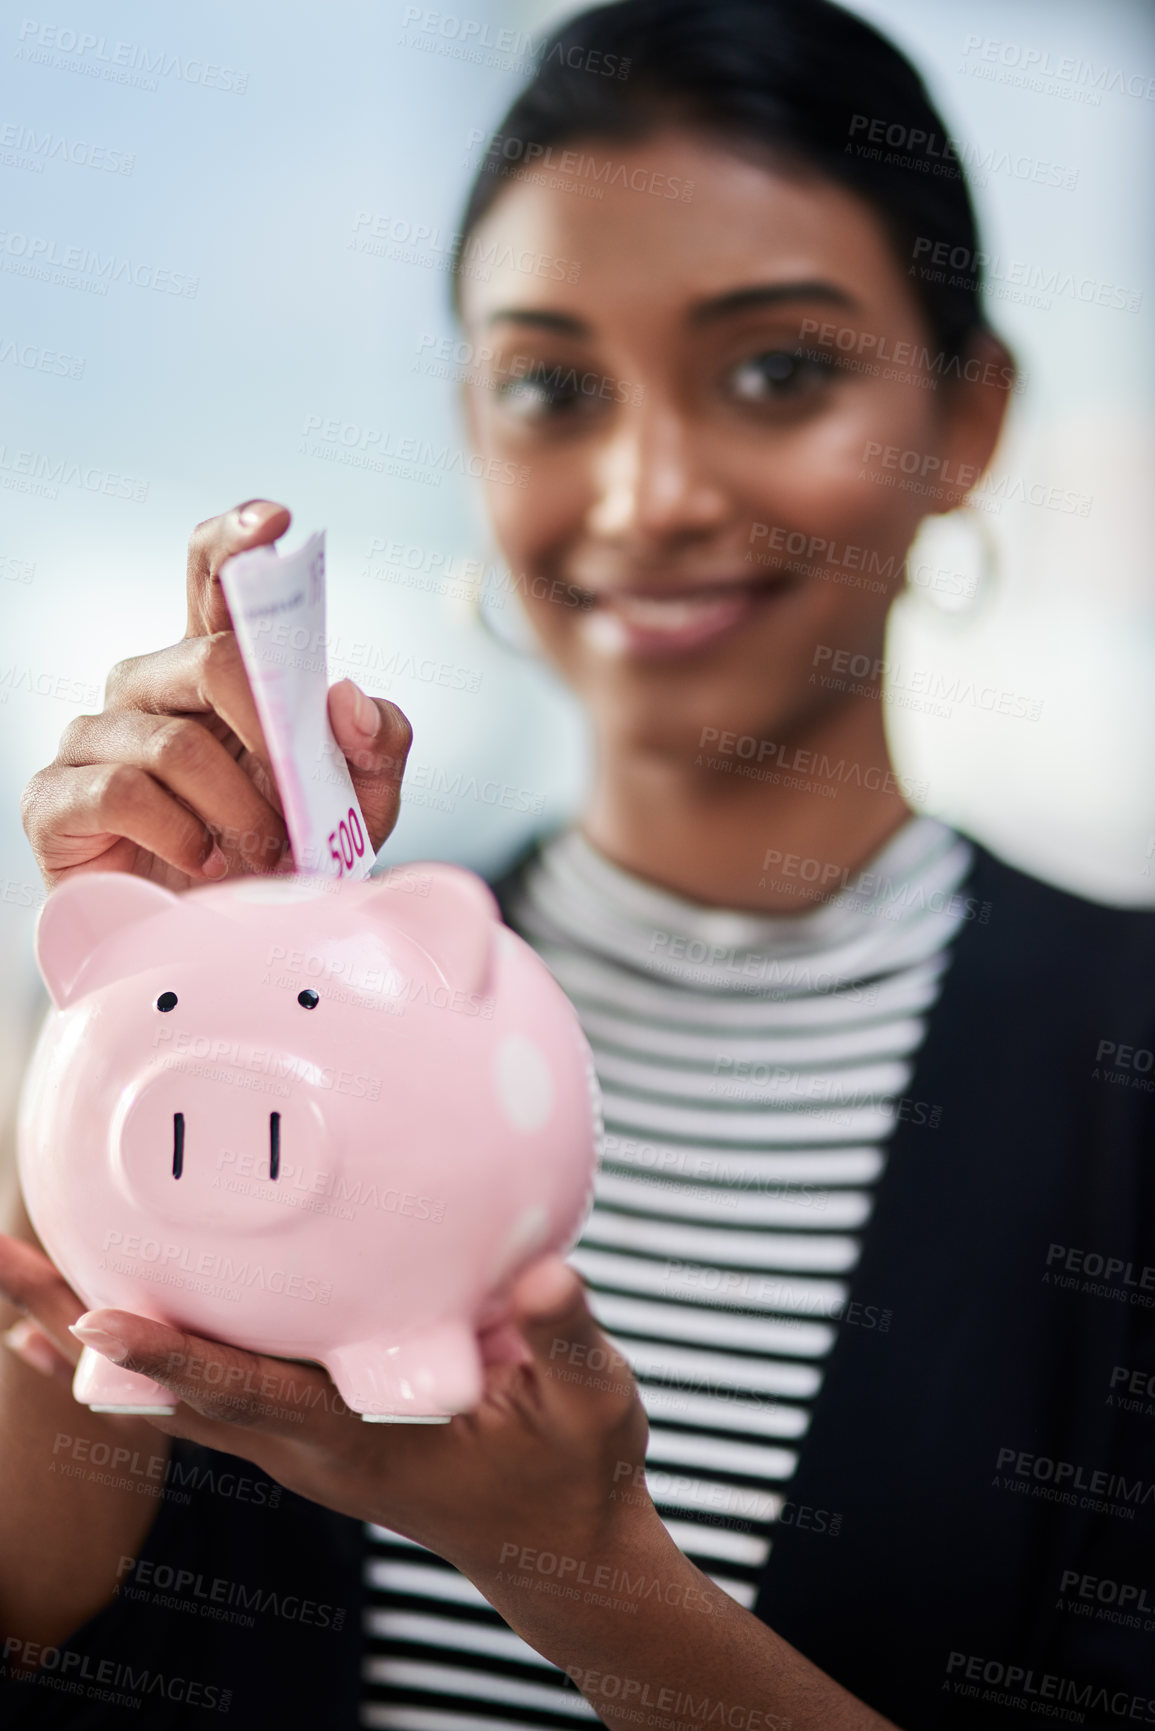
pixel 255 512
pixel 214 864
pixel 27 1342
pixel 109 1346
pixel 367 714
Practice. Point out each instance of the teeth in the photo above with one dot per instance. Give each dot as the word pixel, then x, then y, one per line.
pixel 653 614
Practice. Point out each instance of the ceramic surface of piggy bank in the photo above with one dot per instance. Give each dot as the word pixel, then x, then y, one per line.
pixel 322 1120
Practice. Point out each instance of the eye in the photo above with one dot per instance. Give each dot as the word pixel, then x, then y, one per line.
pixel 544 393
pixel 166 1002
pixel 776 374
pixel 308 999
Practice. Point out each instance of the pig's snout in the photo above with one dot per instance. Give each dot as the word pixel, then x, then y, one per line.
pixel 274 1145
pixel 218 1151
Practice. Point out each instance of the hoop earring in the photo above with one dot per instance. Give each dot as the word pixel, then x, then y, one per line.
pixel 494 608
pixel 963 574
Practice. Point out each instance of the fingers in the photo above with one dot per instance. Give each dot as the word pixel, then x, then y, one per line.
pixel 253 524
pixel 223 1384
pixel 570 1352
pixel 198 676
pixel 504 1344
pixel 548 1304
pixel 187 760
pixel 102 816
pixel 550 1293
pixel 30 1282
pixel 34 1348
pixel 375 738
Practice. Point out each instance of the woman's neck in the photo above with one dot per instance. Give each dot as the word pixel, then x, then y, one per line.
pixel 775 835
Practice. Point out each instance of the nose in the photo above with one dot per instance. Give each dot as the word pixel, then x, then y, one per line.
pixel 656 482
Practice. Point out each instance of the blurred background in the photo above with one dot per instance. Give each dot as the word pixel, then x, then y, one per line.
pixel 278 186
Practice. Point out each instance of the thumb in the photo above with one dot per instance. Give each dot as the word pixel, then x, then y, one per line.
pixel 375 738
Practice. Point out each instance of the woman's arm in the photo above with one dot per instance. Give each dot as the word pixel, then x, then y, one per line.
pixel 81 1489
pixel 170 782
pixel 637 1626
pixel 538 1497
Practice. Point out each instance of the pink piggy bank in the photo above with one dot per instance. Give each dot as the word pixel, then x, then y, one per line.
pixel 323 1120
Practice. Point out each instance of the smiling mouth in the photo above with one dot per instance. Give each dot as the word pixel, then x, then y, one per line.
pixel 679 617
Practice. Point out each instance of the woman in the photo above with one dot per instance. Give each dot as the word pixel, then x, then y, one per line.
pixel 858 1151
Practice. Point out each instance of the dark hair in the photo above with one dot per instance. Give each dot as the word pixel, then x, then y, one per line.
pixel 802 79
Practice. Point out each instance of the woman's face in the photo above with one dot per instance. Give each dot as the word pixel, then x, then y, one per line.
pixel 701 403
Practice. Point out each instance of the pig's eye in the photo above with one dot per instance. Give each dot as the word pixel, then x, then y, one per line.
pixel 166 1001
pixel 307 999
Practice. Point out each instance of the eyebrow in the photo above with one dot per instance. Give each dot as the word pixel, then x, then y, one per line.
pixel 770 295
pixel 704 312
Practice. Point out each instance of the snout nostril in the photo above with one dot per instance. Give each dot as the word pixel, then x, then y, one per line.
pixel 177 1144
pixel 274 1144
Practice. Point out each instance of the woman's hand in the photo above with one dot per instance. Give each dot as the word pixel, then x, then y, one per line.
pixel 542 1462
pixel 172 779
pixel 541 1487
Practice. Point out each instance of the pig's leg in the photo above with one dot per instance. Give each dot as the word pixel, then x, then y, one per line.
pixel 424 1380
pixel 106 1387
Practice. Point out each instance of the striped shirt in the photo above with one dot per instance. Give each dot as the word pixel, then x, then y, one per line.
pixel 753 1067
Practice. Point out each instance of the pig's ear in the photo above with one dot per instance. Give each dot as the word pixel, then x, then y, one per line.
pixel 78 917
pixel 449 912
